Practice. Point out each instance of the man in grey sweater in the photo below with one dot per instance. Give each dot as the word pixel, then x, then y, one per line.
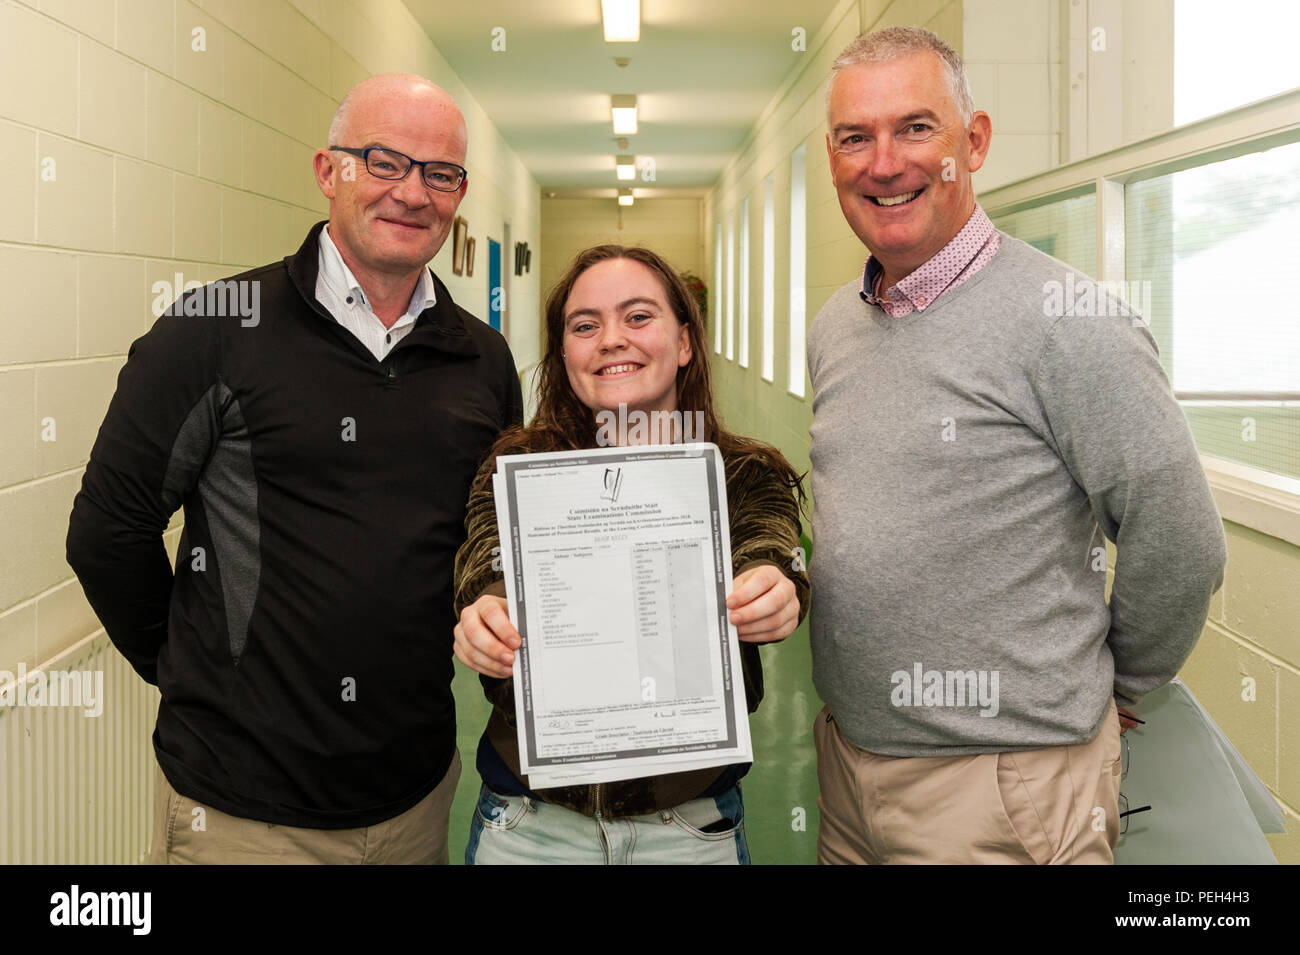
pixel 983 415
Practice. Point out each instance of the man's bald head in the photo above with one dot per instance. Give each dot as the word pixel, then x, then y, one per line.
pixel 384 226
pixel 389 91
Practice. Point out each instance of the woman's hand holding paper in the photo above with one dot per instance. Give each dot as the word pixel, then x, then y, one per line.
pixel 485 637
pixel 763 605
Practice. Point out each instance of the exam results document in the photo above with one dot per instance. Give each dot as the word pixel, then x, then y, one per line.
pixel 617 565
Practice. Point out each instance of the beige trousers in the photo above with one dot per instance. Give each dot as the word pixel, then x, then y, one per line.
pixel 184 836
pixel 1057 805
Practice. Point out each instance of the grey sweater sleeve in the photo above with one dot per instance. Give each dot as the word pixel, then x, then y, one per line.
pixel 1123 437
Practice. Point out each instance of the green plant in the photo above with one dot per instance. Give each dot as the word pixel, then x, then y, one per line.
pixel 699 290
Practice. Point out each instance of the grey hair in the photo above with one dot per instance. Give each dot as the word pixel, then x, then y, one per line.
pixel 893 42
pixel 340 117
pixel 336 124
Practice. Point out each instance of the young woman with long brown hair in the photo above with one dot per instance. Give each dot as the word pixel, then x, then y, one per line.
pixel 624 336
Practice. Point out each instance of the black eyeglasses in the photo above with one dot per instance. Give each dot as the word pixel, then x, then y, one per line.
pixel 1124 810
pixel 390 164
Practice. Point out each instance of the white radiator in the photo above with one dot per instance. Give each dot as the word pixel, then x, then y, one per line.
pixel 77 788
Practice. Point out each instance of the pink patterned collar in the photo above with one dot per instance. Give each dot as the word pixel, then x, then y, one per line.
pixel 968 252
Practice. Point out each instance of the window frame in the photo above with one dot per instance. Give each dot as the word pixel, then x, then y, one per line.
pixel 1262 500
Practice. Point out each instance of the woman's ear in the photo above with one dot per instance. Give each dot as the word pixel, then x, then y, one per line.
pixel 683 346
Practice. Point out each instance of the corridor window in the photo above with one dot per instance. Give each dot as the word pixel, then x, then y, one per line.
pixel 798 268
pixel 1261 32
pixel 743 308
pixel 717 287
pixel 731 286
pixel 769 275
pixel 1065 229
pixel 1217 247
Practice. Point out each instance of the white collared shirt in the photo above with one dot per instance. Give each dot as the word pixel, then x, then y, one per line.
pixel 340 292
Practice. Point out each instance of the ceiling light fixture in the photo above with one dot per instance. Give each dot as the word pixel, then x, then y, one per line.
pixel 622 20
pixel 625 167
pixel 623 109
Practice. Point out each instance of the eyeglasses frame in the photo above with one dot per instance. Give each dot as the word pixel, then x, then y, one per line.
pixel 364 156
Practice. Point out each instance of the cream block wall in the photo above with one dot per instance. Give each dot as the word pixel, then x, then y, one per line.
pixel 1250 647
pixel 129 156
pixel 1012 50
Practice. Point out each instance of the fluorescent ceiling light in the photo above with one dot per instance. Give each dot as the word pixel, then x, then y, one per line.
pixel 625 197
pixel 623 109
pixel 625 167
pixel 622 20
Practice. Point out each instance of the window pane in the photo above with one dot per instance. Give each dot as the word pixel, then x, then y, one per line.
pixel 731 286
pixel 1257 37
pixel 743 358
pixel 798 267
pixel 717 287
pixel 1219 246
pixel 1065 229
pixel 769 275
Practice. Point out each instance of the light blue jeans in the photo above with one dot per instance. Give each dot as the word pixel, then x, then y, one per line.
pixel 516 830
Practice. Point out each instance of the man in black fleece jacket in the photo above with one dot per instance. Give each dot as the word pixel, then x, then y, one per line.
pixel 322 448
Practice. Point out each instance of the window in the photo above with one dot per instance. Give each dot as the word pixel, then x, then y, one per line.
pixel 798 267
pixel 1065 229
pixel 1257 37
pixel 1217 246
pixel 731 286
pixel 743 308
pixel 1140 69
pixel 717 287
pixel 769 275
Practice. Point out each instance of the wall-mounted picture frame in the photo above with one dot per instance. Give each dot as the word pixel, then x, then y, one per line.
pixel 459 232
pixel 469 255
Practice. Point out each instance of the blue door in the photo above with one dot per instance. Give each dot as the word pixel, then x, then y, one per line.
pixel 496 295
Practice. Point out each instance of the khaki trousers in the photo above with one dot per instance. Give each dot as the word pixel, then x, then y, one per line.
pixel 1057 805
pixel 182 836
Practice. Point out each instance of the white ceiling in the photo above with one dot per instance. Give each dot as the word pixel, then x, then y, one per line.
pixel 702 71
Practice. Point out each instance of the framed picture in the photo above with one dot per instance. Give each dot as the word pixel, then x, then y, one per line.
pixel 469 256
pixel 459 229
